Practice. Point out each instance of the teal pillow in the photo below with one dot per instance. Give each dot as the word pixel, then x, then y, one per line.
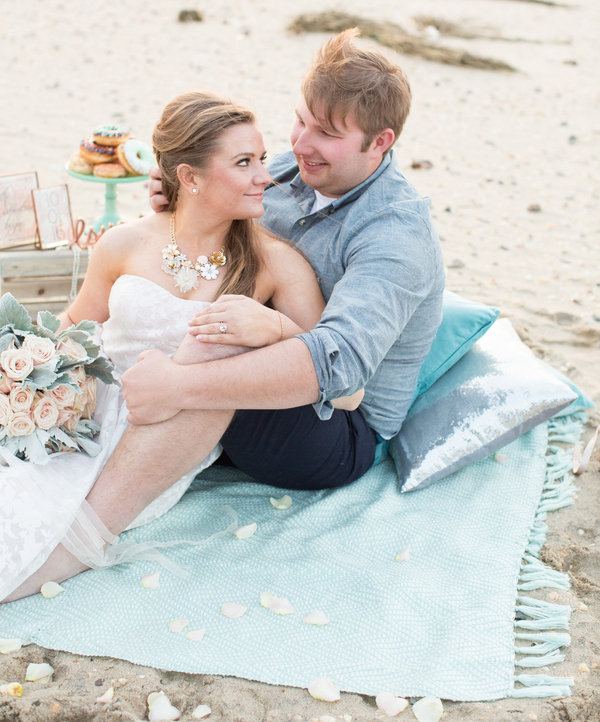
pixel 462 324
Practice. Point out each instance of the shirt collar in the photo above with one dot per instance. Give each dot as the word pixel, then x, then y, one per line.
pixel 301 187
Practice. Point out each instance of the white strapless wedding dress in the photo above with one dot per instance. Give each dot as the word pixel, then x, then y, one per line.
pixel 38 504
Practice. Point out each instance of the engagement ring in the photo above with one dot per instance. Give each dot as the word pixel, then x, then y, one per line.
pixel 223 327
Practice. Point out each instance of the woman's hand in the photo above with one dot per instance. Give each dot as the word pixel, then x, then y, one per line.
pixel 248 323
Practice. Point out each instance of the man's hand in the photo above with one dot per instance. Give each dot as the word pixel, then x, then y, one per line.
pixel 158 202
pixel 150 388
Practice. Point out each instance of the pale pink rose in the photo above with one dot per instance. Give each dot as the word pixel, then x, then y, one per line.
pixel 17 363
pixel 21 399
pixel 71 348
pixel 5 384
pixel 64 396
pixel 41 349
pixel 63 416
pixel 90 388
pixel 20 425
pixel 45 413
pixel 80 401
pixel 77 374
pixel 72 422
pixel 6 412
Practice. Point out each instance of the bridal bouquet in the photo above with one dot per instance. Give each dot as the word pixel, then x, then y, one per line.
pixel 48 383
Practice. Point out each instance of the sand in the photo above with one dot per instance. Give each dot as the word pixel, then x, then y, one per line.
pixel 498 143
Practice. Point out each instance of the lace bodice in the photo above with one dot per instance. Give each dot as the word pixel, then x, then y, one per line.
pixel 144 315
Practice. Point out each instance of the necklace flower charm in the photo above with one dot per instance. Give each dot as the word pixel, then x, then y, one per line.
pixel 186 273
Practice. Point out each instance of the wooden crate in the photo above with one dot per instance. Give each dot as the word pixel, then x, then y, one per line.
pixel 40 280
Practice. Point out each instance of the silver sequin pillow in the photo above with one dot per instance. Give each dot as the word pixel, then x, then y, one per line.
pixel 496 392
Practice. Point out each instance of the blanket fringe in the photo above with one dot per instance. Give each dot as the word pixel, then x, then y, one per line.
pixel 535 614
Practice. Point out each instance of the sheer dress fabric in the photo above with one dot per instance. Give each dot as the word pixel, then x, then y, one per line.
pixel 41 505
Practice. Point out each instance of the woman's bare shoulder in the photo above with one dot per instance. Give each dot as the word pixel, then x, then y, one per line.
pixel 282 256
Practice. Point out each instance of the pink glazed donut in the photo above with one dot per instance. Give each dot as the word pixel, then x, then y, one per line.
pixel 136 157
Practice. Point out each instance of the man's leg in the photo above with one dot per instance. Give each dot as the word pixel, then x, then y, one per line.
pixel 147 461
pixel 294 449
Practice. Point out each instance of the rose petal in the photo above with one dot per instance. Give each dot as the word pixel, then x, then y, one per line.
pixel 232 610
pixel 51 589
pixel 13 689
pixel 403 556
pixel 107 697
pixel 161 709
pixel 317 617
pixel 39 673
pixel 284 503
pixel 153 696
pixel 324 689
pixel 501 458
pixel 390 703
pixel 202 710
pixel 178 625
pixel 196 635
pixel 281 606
pixel 428 709
pixel 266 599
pixel 150 581
pixel 10 645
pixel 244 532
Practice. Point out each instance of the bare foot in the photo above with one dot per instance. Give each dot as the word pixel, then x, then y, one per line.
pixel 59 566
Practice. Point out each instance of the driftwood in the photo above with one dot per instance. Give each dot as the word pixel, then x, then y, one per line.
pixel 394 37
pixel 444 27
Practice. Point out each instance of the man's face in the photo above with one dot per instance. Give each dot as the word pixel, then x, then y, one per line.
pixel 330 159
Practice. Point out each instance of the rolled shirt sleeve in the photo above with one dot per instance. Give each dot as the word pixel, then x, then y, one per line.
pixel 391 268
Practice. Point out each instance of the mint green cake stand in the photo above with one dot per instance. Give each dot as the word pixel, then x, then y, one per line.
pixel 111 213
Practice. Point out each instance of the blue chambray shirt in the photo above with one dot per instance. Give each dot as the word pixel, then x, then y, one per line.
pixel 379 264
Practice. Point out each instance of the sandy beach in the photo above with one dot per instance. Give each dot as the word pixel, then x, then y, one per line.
pixel 515 162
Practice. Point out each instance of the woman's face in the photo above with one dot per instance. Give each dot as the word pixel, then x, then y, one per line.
pixel 236 177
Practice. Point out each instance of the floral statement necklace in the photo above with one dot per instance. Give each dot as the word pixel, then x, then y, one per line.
pixel 186 273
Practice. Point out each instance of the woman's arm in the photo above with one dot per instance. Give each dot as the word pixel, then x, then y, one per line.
pixel 103 270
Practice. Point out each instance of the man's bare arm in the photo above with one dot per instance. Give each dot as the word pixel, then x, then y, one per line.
pixel 280 376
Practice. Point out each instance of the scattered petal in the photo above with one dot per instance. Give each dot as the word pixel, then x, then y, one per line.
pixel 244 532
pixel 178 625
pixel 153 696
pixel 582 608
pixel 107 697
pixel 281 606
pixel 390 703
pixel 39 673
pixel 10 645
pixel 51 589
pixel 150 581
pixel 501 458
pixel 233 611
pixel 14 689
pixel 324 689
pixel 196 635
pixel 160 708
pixel 327 718
pixel 266 599
pixel 583 667
pixel 202 710
pixel 317 617
pixel 428 709
pixel 403 556
pixel 284 503
pixel 347 718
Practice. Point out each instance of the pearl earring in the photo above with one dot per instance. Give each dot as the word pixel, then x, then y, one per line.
pixel 194 190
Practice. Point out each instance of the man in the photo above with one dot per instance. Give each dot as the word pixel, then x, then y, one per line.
pixel 341 199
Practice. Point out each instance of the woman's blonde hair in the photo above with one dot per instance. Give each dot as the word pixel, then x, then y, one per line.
pixel 347 79
pixel 190 131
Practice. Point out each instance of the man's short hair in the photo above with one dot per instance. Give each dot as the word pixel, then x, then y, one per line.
pixel 347 79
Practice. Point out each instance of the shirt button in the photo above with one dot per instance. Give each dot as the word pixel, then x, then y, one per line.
pixel 302 221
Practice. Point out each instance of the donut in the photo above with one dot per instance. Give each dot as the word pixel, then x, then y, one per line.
pixel 110 135
pixel 79 164
pixel 97 153
pixel 136 157
pixel 109 170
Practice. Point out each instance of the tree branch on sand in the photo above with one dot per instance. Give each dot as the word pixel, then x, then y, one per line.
pixel 394 37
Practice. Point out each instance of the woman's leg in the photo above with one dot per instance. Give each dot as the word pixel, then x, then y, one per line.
pixel 147 461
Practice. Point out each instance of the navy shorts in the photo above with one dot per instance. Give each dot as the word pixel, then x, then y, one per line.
pixel 294 449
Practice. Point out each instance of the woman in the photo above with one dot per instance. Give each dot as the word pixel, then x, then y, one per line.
pixel 141 286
